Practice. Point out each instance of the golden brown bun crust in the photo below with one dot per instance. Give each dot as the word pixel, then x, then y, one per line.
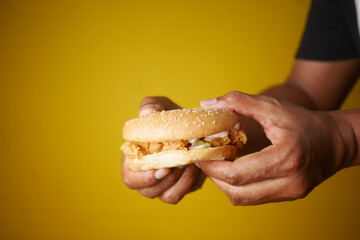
pixel 175 158
pixel 179 124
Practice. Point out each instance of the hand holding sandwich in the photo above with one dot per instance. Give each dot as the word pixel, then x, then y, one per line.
pixel 307 148
pixel 168 184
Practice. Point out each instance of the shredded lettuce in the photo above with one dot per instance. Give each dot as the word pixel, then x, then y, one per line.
pixel 198 144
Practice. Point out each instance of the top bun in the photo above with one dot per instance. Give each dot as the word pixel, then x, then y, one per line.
pixel 179 124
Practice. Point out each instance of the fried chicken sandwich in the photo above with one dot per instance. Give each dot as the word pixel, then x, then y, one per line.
pixel 178 137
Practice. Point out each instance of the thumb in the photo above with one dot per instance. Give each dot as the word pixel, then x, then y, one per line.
pixel 258 107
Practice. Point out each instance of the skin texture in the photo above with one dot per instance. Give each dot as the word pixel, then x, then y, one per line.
pixel 169 185
pixel 288 127
pixel 294 163
pixel 318 85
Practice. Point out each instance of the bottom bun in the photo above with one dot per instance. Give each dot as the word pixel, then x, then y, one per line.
pixel 175 158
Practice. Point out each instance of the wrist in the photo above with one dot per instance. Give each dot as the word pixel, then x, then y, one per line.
pixel 347 132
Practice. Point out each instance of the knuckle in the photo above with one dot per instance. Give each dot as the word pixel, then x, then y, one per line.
pixel 147 100
pixel 137 182
pixel 128 183
pixel 232 96
pixel 296 161
pixel 234 178
pixel 149 180
pixel 158 101
pixel 269 100
pixel 300 193
pixel 170 198
pixel 235 197
pixel 301 190
pixel 148 193
pixel 270 103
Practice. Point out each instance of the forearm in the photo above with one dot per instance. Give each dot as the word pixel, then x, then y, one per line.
pixel 348 122
pixel 318 85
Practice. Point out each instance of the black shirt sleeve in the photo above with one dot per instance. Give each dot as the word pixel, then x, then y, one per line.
pixel 327 36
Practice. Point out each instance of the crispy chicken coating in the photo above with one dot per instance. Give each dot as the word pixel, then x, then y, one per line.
pixel 235 138
pixel 136 150
pixel 176 145
pixel 217 142
pixel 238 138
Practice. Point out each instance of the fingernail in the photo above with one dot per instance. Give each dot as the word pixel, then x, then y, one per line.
pixel 208 102
pixel 197 164
pixel 147 109
pixel 161 173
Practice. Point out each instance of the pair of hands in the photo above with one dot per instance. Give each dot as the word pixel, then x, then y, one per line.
pixel 305 148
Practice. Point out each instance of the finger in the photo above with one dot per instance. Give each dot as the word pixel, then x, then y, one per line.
pixel 149 108
pixel 137 180
pixel 199 182
pixel 163 102
pixel 161 173
pixel 246 105
pixel 261 108
pixel 273 190
pixel 174 194
pixel 166 103
pixel 163 185
pixel 254 167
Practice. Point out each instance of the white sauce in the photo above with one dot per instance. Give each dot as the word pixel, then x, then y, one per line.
pixel 192 140
pixel 211 137
pixel 217 135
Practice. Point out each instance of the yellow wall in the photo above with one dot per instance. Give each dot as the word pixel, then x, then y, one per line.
pixel 71 74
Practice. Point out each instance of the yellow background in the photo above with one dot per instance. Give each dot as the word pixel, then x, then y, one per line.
pixel 71 74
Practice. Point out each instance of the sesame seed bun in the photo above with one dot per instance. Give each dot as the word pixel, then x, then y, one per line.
pixel 179 124
pixel 176 158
